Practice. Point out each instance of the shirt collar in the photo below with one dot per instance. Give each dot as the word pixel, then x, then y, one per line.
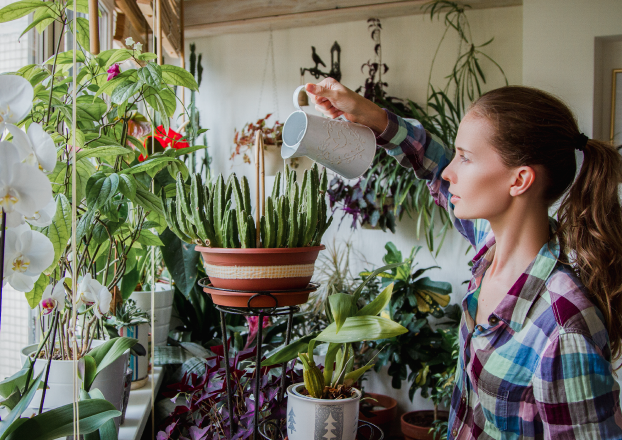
pixel 515 306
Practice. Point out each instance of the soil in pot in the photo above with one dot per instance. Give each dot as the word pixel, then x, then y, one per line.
pixel 416 424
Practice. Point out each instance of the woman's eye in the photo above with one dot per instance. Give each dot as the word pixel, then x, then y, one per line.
pixel 463 159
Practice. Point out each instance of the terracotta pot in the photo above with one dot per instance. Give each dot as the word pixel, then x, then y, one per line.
pixel 414 431
pixel 381 417
pixel 260 269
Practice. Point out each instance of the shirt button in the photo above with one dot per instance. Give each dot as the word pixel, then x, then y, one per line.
pixel 493 320
pixel 480 328
pixel 463 399
pixel 454 432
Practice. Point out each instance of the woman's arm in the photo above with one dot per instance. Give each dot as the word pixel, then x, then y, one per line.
pixel 404 139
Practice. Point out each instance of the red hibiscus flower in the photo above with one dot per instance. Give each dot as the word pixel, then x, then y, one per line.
pixel 164 140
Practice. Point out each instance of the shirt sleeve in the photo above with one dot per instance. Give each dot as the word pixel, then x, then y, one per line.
pixel 575 392
pixel 413 147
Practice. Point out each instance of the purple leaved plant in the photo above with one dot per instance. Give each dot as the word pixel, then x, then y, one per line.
pixel 201 411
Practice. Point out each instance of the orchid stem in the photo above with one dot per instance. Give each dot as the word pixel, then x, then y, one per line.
pixel 2 242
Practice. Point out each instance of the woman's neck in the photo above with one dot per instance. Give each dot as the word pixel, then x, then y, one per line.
pixel 519 236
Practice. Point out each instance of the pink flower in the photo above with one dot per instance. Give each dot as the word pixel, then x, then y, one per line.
pixel 253 327
pixel 113 71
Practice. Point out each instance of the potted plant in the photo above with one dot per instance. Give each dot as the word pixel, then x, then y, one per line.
pixel 432 425
pixel 327 401
pixel 133 322
pixel 277 256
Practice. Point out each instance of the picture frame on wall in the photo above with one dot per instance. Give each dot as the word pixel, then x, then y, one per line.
pixel 615 136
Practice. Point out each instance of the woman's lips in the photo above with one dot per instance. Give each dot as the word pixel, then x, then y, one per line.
pixel 454 199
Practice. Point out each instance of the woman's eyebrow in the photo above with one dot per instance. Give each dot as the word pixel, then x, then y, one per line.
pixel 463 150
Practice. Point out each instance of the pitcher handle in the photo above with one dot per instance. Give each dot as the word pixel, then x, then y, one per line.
pixel 296 93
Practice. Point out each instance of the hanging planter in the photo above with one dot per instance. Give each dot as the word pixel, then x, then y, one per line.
pixel 272 253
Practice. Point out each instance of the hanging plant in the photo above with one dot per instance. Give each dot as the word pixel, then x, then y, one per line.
pixel 386 192
pixel 245 138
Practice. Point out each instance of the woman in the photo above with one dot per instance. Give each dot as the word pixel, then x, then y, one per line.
pixel 541 318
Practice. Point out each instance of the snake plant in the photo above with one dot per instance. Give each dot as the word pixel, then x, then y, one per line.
pixel 219 215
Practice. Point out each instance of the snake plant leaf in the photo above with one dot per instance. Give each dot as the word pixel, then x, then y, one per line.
pixel 362 328
pixel 379 303
pixel 341 306
pixel 289 352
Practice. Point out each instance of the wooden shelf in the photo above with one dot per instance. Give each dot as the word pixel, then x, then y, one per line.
pixel 205 18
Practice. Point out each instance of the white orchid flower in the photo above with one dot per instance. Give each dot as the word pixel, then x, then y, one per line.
pixel 40 218
pixel 26 255
pixel 16 94
pixel 36 147
pixel 138 46
pixel 129 41
pixel 23 188
pixel 52 297
pixel 91 292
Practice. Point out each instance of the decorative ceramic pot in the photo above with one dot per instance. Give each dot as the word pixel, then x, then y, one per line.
pixel 259 270
pixel 60 383
pixel 320 419
pixel 416 424
pixel 163 309
pixel 384 414
pixel 138 364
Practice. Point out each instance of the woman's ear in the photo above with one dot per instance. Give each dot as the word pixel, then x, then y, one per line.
pixel 524 179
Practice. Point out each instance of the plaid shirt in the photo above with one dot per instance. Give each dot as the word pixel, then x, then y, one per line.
pixel 541 367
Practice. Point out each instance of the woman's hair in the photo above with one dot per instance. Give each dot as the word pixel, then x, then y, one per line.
pixel 533 127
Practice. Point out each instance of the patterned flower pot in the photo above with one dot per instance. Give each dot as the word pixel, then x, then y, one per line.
pixel 259 269
pixel 320 419
pixel 138 364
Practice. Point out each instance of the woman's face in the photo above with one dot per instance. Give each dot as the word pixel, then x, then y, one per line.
pixel 480 183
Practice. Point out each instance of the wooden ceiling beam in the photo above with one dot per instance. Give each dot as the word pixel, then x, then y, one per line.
pixel 214 17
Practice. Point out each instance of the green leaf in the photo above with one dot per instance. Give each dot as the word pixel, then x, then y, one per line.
pixel 125 90
pixel 82 6
pixel 90 370
pixel 129 283
pixel 329 362
pixel 153 98
pixel 107 431
pixel 66 57
pixel 107 353
pixel 91 108
pixel 17 10
pixel 290 351
pixel 176 76
pixel 43 17
pixel 362 328
pixel 146 56
pixel 189 150
pixel 58 422
pixel 102 151
pixel 100 188
pixel 13 399
pixel 170 101
pixel 359 289
pixel 111 85
pixel 148 164
pixel 149 201
pixel 341 306
pixel 148 238
pixel 118 56
pixel 83 32
pixel 379 303
pixel 16 380
pixel 34 296
pixel 127 186
pixel 58 232
pixel 16 412
pixel 352 377
pixel 151 75
pixel 181 260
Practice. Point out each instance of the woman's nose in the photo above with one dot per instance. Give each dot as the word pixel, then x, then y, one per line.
pixel 448 174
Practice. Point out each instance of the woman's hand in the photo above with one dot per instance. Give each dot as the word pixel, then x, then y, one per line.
pixel 333 99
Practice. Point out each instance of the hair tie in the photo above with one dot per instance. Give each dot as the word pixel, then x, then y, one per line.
pixel 581 142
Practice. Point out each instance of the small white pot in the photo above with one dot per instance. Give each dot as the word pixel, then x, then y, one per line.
pixel 163 309
pixel 60 383
pixel 320 419
pixel 273 160
pixel 138 364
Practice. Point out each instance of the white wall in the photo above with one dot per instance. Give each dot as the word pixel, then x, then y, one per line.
pixel 559 49
pixel 232 82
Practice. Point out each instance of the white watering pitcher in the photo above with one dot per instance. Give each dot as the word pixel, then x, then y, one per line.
pixel 342 146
